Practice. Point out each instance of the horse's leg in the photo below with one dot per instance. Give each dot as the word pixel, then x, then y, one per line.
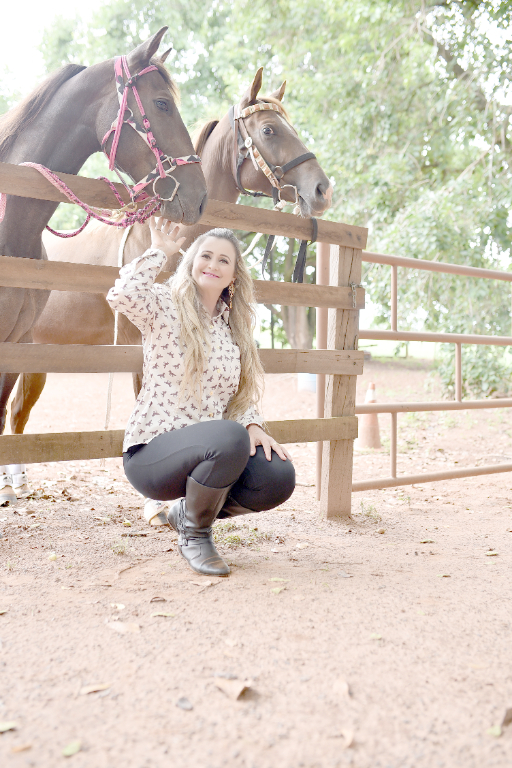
pixel 7 382
pixel 27 394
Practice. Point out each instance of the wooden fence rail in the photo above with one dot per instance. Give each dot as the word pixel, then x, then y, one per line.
pixel 74 446
pixel 89 278
pixel 341 361
pixel 27 182
pixel 82 358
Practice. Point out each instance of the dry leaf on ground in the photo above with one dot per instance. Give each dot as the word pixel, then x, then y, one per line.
pixel 2 611
pixel 232 688
pixel 277 590
pixel 158 600
pixel 491 554
pixel 427 541
pixel 94 688
pixel 72 748
pixel 21 748
pixel 198 583
pixel 342 688
pixel 302 545
pixel 123 627
pixel 184 703
pixel 163 613
pixel 375 636
pixel 348 735
pixel 494 730
pixel 276 578
pixel 8 725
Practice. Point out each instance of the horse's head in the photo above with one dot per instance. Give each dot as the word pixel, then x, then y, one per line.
pixel 278 143
pixel 184 192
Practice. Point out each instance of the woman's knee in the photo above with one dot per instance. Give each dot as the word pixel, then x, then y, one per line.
pixel 265 484
pixel 232 439
pixel 284 478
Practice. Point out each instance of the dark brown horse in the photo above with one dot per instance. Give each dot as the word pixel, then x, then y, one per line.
pixel 59 126
pixel 86 318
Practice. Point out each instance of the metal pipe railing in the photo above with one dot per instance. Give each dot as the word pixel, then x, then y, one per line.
pixel 442 405
pixel 443 338
pixel 437 266
pixel 322 278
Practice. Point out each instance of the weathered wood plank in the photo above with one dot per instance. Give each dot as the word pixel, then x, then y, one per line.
pixel 64 276
pixel 343 327
pixel 27 182
pixel 75 446
pixel 312 361
pixel 82 358
pixel 235 216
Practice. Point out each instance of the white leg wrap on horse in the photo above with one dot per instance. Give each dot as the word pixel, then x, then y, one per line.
pixel 19 477
pixel 7 495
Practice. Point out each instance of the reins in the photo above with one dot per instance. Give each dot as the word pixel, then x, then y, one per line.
pixel 245 148
pixel 165 165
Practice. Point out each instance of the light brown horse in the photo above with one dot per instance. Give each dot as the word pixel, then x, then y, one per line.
pixel 86 318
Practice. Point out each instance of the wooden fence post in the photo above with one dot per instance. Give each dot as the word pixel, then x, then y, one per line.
pixel 340 399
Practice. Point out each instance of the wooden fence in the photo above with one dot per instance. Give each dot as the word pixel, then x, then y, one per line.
pixel 340 361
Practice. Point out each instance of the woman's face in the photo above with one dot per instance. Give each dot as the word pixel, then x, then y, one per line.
pixel 214 265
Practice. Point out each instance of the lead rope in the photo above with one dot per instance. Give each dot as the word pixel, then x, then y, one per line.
pixel 120 259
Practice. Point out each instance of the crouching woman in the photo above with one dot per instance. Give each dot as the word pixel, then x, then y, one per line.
pixel 195 434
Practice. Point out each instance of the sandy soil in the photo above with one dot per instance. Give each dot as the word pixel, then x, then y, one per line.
pixel 362 648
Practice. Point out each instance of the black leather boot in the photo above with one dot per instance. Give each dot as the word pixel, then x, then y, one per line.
pixel 192 518
pixel 232 508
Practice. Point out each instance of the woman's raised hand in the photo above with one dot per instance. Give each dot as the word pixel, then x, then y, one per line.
pixel 164 235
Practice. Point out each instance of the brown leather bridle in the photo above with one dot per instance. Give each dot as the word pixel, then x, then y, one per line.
pixel 244 148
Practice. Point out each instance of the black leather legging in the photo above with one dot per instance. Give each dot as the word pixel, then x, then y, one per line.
pixel 215 454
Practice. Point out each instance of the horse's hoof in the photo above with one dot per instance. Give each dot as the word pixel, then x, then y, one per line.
pixel 155 512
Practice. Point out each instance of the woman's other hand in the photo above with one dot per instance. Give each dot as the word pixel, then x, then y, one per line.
pixel 164 236
pixel 258 436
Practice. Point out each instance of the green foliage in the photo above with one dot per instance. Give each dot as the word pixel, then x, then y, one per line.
pixel 406 106
pixel 486 371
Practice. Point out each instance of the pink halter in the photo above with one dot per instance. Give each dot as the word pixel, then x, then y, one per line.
pixel 165 165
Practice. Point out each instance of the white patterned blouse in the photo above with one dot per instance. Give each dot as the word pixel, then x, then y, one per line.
pixel 149 306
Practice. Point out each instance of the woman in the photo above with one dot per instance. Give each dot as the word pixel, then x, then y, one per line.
pixel 194 434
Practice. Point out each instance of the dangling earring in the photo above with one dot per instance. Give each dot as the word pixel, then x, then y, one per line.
pixel 231 291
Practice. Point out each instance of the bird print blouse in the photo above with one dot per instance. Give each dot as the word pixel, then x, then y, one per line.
pixel 149 306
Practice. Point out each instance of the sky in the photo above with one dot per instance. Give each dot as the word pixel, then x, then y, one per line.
pixel 21 32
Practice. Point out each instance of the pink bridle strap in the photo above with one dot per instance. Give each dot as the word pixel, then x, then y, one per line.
pixel 121 70
pixel 137 192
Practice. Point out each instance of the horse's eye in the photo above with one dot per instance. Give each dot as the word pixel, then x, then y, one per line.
pixel 162 105
pixel 267 130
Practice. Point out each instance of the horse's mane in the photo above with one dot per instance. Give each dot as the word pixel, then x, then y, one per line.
pixel 203 132
pixel 23 114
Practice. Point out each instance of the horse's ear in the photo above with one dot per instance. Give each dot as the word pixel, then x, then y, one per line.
pixel 280 92
pixel 165 54
pixel 251 93
pixel 140 56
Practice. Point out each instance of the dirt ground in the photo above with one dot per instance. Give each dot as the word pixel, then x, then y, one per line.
pixel 380 642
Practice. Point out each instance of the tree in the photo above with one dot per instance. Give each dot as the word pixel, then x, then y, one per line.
pixel 406 104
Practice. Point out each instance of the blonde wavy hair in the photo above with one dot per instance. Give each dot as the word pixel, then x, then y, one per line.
pixel 195 339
